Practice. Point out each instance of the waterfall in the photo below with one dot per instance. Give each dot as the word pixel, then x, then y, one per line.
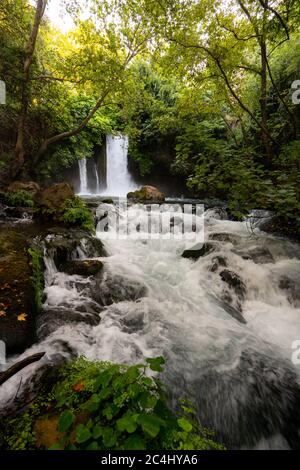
pixel 119 180
pixel 83 176
pixel 97 179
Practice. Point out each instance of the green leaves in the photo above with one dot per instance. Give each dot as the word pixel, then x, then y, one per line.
pixel 151 424
pixel 128 423
pixel 66 420
pixel 156 363
pixel 185 425
pixel 122 408
pixel 83 434
pixel 135 442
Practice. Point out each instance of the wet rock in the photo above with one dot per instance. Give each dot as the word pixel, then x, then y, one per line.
pixel 217 262
pixel 66 245
pixel 292 289
pixel 234 281
pixel 29 186
pixel 54 197
pixel 16 292
pixel 198 250
pixel 225 237
pixel 20 212
pixel 217 213
pixel 147 193
pixel 133 322
pixel 259 255
pixel 234 313
pixel 258 397
pixel 84 268
pixel 51 319
pixel 110 289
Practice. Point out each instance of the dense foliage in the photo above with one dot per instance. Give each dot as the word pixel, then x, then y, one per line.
pixel 96 405
pixel 75 212
pixel 204 89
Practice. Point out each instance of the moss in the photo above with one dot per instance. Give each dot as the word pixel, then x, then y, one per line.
pixel 37 278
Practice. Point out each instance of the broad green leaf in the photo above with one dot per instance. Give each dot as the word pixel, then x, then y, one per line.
pixel 135 443
pixel 66 420
pixel 127 423
pixel 151 424
pixel 185 425
pixel 82 434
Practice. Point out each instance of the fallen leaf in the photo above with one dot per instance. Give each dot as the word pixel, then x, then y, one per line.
pixel 79 387
pixel 22 317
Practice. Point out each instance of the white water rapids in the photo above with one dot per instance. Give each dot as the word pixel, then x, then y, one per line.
pixel 239 374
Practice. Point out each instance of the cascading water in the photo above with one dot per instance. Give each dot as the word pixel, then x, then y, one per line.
pixel 152 302
pixel 83 176
pixel 97 179
pixel 119 180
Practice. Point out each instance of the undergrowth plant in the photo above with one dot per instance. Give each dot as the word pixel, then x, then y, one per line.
pixel 100 406
pixel 76 213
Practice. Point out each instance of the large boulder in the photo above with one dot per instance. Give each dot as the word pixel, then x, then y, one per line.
pixel 147 193
pixel 29 186
pixel 54 197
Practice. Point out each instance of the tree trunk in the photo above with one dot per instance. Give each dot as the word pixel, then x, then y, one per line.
pixel 264 103
pixel 65 135
pixel 19 152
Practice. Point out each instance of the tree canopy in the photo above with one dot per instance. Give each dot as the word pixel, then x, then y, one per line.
pixel 203 86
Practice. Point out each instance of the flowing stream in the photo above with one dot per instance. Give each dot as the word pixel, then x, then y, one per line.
pixel 227 338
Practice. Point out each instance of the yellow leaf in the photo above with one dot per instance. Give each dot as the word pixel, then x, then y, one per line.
pixel 22 317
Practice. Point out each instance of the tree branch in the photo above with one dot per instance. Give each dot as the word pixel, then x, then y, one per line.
pixel 13 370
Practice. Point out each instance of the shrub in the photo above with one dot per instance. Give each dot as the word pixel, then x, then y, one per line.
pixel 20 198
pixel 101 406
pixel 75 212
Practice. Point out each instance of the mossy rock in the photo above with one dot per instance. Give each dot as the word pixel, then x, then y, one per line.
pixel 147 193
pixel 84 268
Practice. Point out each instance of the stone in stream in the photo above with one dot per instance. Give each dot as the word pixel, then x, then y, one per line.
pixel 292 288
pixel 225 237
pixel 147 193
pixel 66 245
pixel 198 250
pixel 217 262
pixel 109 289
pixel 50 319
pixel 258 254
pixel 234 281
pixel 86 268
